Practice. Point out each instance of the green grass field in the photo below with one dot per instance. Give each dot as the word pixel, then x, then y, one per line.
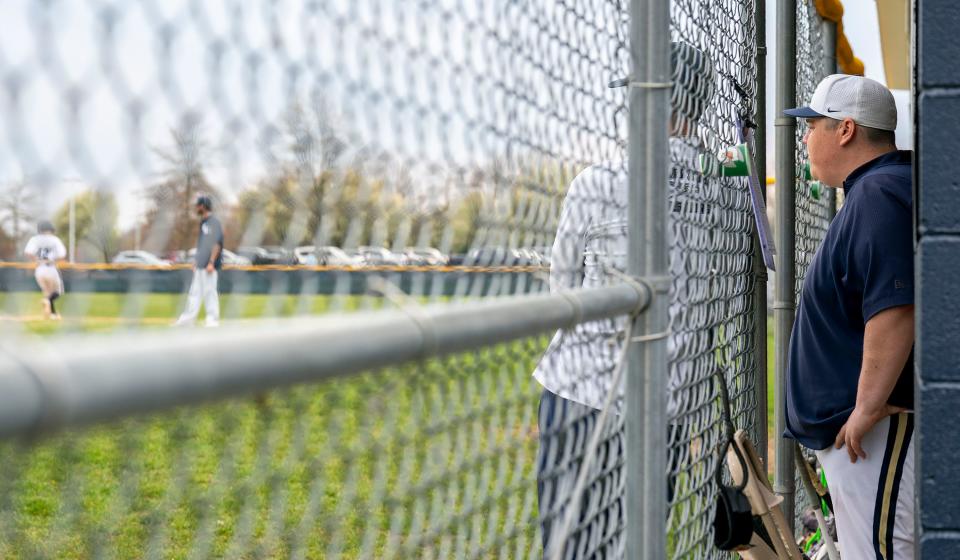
pixel 103 311
pixel 355 466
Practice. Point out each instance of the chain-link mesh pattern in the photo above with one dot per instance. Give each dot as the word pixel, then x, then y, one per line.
pixel 434 460
pixel 812 214
pixel 351 150
pixel 439 133
pixel 711 262
pixel 361 154
pixel 711 318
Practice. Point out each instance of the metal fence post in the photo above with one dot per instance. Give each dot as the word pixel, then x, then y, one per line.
pixel 760 270
pixel 646 388
pixel 830 67
pixel 784 297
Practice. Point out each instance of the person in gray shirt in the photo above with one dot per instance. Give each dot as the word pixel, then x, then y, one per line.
pixel 207 264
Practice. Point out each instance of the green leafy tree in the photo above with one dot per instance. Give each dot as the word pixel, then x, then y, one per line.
pixel 95 223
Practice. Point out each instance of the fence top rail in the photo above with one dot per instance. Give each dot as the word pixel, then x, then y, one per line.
pixel 71 381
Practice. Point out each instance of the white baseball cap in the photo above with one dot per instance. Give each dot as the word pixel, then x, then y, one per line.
pixel 840 96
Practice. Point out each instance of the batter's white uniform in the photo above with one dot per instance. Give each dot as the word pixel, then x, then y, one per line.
pixel 47 249
pixel 591 240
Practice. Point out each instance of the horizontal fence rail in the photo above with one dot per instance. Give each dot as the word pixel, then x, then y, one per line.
pixel 87 380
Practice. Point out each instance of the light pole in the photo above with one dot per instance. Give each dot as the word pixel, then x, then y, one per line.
pixel 72 216
pixel 73 229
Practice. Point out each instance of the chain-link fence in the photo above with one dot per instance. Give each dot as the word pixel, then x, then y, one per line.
pixel 812 213
pixel 433 460
pixel 711 267
pixel 367 156
pixel 814 207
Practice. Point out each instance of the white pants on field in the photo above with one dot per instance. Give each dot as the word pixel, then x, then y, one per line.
pixel 203 289
pixel 48 278
pixel 874 498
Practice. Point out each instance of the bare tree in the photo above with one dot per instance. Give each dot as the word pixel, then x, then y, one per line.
pixel 304 142
pixel 172 220
pixel 17 209
pixel 329 142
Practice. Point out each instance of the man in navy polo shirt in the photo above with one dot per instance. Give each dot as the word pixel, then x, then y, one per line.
pixel 850 377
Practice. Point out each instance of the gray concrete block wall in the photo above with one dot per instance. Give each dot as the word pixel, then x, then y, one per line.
pixel 937 442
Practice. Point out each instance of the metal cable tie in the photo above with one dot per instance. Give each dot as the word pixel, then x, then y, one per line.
pixel 650 85
pixel 784 305
pixel 660 283
pixel 412 309
pixel 427 330
pixel 651 337
pixel 640 284
pixel 575 304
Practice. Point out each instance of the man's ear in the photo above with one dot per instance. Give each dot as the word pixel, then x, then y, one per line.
pixel 847 130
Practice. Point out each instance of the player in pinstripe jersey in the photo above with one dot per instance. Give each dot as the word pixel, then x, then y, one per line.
pixel 576 371
pixel 45 249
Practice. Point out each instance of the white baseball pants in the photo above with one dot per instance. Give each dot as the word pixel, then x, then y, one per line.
pixel 203 290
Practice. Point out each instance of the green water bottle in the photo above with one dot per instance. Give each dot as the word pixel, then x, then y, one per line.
pixel 816 190
pixel 730 162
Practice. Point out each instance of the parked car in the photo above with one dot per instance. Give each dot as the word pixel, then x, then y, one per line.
pixel 139 257
pixel 306 255
pixel 425 256
pixel 335 256
pixel 355 255
pixel 280 254
pixel 229 257
pixel 256 255
pixel 327 255
pixel 376 256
